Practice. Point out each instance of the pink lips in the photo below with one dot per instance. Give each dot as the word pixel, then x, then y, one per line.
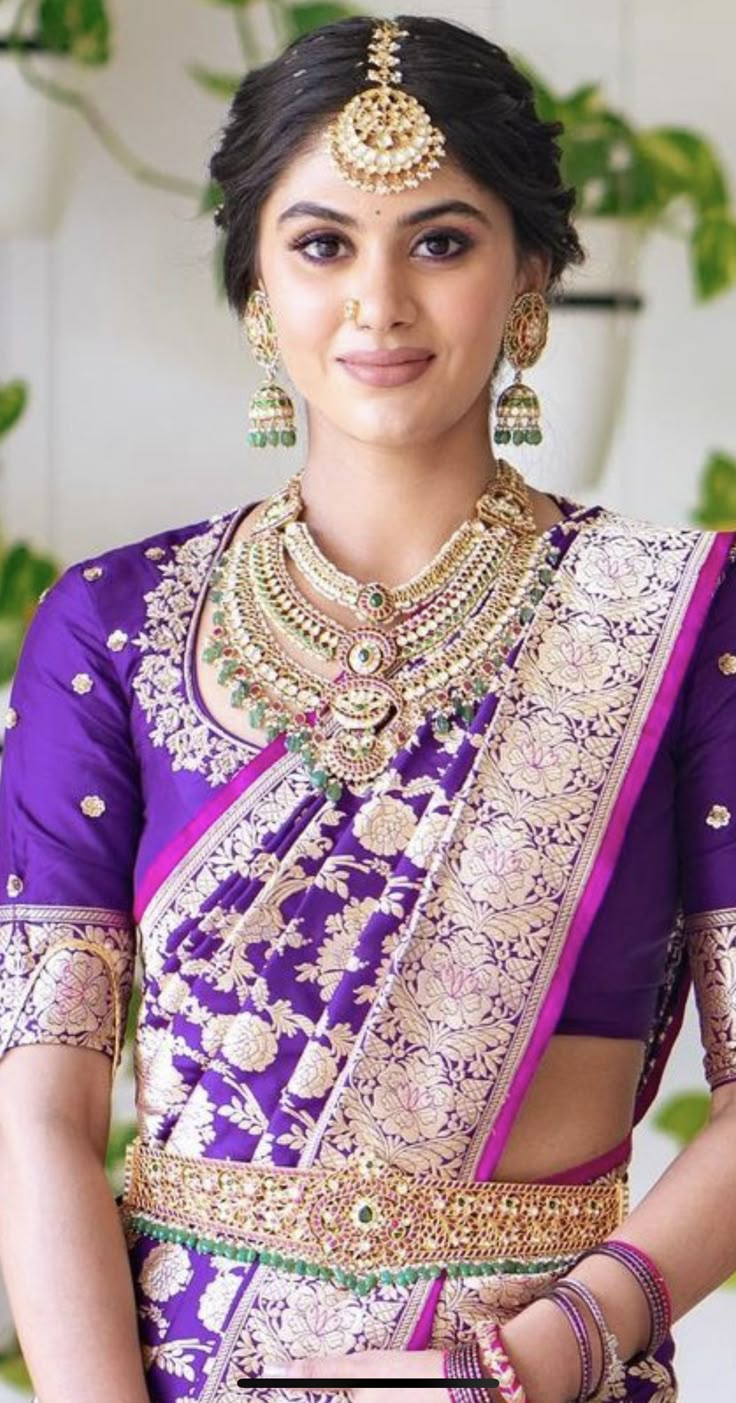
pixel 386 368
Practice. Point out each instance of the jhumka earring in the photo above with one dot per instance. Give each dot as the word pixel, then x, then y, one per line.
pixel 271 411
pixel 518 413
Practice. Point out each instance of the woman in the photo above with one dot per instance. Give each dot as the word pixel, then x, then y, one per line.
pixel 418 927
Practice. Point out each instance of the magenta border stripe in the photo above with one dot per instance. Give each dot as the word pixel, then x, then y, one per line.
pixel 590 901
pixel 170 856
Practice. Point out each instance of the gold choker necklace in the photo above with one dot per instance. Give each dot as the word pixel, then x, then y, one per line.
pixel 431 648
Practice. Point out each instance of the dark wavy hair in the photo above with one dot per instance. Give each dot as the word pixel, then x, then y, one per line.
pixel 473 92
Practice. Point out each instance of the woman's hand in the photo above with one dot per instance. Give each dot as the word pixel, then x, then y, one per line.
pixel 368 1368
pixel 539 1343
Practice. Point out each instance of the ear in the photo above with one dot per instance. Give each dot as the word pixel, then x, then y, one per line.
pixel 534 273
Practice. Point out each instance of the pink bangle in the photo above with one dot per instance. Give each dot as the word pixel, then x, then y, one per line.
pixel 495 1358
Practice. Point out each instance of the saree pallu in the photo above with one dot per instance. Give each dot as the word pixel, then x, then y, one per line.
pixel 378 977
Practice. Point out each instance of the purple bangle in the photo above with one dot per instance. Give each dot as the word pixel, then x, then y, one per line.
pixel 464 1362
pixel 580 1332
pixel 611 1365
pixel 650 1280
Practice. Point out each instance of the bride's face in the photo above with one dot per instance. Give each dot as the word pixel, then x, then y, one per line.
pixel 435 272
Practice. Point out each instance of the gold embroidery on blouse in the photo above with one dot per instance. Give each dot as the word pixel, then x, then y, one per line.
pixel 93 572
pixel 161 682
pixel 117 640
pixel 719 816
pixel 11 718
pixel 66 975
pixel 727 664
pixel 82 683
pixel 14 885
pixel 92 806
pixel 155 553
pixel 712 955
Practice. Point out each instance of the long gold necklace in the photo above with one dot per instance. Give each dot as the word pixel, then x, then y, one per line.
pixel 454 625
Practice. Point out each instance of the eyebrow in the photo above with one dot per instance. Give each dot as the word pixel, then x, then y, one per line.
pixel 306 207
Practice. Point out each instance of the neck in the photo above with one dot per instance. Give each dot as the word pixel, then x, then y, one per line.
pixel 382 514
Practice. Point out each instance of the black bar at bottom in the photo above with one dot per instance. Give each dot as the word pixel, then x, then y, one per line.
pixel 356 1383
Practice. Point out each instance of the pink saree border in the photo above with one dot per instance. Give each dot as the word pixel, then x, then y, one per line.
pixel 170 856
pixel 652 731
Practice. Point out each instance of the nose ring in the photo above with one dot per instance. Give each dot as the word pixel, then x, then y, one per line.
pixel 352 309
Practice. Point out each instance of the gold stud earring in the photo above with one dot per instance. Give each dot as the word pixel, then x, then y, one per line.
pixel 518 411
pixel 271 411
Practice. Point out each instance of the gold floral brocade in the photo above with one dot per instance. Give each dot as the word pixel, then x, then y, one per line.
pixel 66 975
pixel 712 955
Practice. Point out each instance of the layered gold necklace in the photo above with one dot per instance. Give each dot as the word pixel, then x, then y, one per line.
pixel 430 648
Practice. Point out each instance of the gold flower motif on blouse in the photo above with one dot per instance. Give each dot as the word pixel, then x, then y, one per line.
pixel 719 816
pixel 93 572
pixel 117 640
pixel 15 885
pixel 92 806
pixel 11 718
pixel 727 664
pixel 155 553
pixel 82 683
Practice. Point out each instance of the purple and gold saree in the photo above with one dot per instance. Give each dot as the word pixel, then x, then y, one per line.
pixel 368 984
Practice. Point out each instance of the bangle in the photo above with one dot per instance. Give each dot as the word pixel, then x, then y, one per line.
pixel 464 1362
pixel 580 1332
pixel 613 1372
pixel 495 1358
pixel 651 1281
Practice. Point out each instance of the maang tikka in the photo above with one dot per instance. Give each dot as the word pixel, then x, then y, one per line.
pixel 271 412
pixel 518 412
pixel 384 139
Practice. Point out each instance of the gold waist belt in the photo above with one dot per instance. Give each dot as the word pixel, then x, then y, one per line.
pixel 366 1223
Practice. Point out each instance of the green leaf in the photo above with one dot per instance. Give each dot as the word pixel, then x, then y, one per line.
pixel 685 164
pixel 13 400
pixel 305 18
pixel 684 1116
pixel 13 1368
pixel 223 85
pixel 212 196
pixel 713 247
pixel 23 576
pixel 716 509
pixel 121 1135
pixel 80 28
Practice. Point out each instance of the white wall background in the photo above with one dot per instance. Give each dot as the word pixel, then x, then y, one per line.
pixel 140 382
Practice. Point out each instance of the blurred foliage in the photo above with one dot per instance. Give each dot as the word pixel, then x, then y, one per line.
pixel 666 177
pixel 24 573
pixel 716 509
pixel 79 28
